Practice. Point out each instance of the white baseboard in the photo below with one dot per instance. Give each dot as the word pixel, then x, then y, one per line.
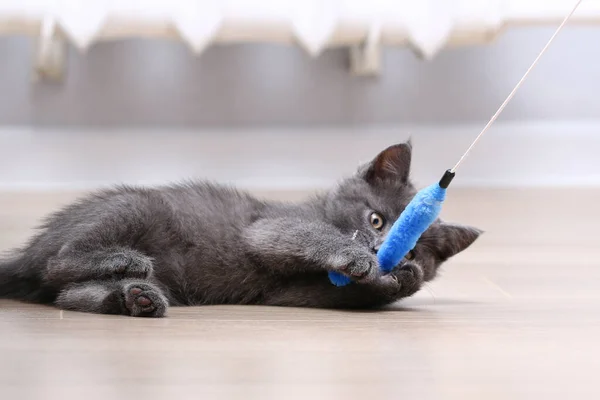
pixel 532 154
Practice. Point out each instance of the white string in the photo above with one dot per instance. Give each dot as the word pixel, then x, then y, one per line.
pixel 510 96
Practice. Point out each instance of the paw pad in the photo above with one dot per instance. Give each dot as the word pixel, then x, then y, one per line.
pixel 144 300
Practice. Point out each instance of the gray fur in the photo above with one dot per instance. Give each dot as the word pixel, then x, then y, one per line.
pixel 134 251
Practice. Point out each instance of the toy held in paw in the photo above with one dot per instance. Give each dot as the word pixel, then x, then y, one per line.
pixel 420 213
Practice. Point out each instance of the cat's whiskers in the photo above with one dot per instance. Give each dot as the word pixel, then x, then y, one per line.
pixel 430 290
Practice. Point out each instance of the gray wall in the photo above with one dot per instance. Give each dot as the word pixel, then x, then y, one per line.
pixel 152 83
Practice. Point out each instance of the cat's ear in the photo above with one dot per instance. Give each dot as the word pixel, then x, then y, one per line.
pixel 450 239
pixel 392 164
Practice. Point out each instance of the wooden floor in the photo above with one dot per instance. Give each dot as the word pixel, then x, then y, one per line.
pixel 515 317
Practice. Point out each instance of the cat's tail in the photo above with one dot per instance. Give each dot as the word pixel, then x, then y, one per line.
pixel 16 280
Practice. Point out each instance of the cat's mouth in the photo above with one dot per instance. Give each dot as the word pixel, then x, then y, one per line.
pixel 375 247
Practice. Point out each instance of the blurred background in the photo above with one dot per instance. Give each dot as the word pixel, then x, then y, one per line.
pixel 292 95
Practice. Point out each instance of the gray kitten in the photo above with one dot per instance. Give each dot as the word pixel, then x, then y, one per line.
pixel 134 251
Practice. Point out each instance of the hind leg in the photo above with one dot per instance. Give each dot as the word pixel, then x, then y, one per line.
pixel 114 263
pixel 133 297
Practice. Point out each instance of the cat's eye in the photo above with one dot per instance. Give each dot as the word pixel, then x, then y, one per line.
pixel 410 255
pixel 376 221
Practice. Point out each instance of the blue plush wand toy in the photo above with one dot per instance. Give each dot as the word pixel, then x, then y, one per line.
pixel 425 207
pixel 420 213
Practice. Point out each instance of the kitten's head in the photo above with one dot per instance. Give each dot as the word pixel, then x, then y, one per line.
pixel 370 202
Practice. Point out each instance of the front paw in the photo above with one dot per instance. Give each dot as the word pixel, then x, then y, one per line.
pixel 407 279
pixel 356 263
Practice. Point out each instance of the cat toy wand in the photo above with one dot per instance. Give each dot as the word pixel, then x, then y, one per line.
pixel 425 207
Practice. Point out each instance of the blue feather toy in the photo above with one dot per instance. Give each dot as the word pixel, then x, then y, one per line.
pixel 420 213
